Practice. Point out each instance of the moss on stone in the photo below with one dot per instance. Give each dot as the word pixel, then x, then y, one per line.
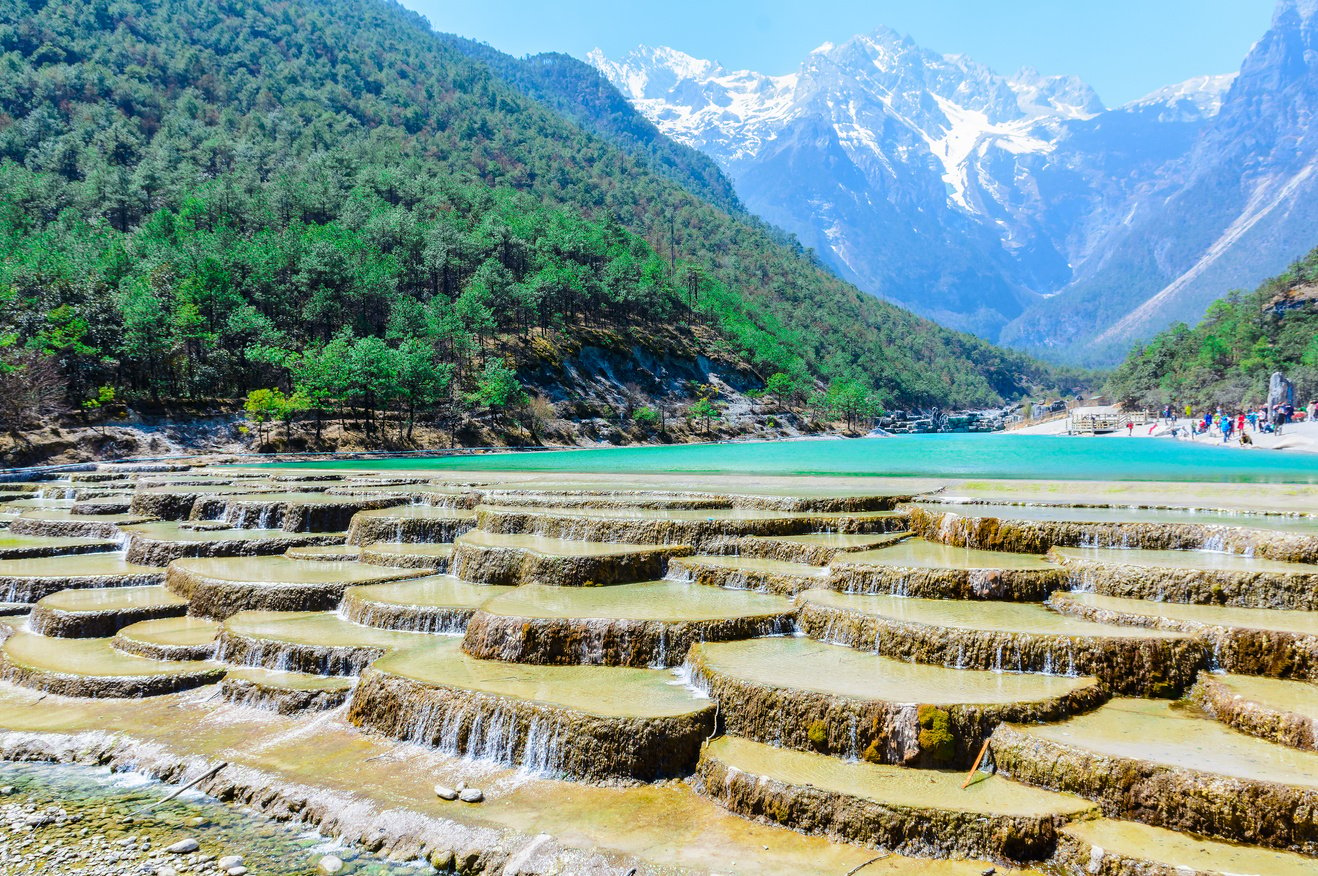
pixel 936 739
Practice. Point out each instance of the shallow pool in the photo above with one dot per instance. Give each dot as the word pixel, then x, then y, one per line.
pixel 987 456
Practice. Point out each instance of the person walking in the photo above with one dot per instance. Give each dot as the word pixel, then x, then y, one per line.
pixel 1224 424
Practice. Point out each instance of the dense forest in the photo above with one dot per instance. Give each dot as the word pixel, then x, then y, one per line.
pixel 1229 357
pixel 331 202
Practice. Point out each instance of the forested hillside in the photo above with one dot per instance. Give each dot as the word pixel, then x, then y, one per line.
pixel 1228 358
pixel 207 198
pixel 580 92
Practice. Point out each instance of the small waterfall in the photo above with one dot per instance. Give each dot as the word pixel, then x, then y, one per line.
pixel 1081 581
pixel 679 573
pixel 904 738
pixel 661 649
pixel 541 751
pixel 495 733
pixel 689 676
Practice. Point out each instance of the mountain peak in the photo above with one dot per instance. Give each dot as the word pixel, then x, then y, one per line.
pixel 1199 97
pixel 1305 9
pixel 1066 95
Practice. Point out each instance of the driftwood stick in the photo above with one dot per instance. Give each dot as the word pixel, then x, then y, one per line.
pixel 983 750
pixel 198 780
pixel 856 869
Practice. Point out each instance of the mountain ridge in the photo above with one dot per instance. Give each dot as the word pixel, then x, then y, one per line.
pixel 994 204
pixel 189 221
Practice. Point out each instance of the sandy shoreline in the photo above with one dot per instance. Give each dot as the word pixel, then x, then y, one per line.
pixel 1300 437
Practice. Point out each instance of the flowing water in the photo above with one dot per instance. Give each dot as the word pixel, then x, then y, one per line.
pixel 594 690
pixel 1300 622
pixel 805 664
pixel 1008 617
pixel 348 689
pixel 1307 525
pixel 97 821
pixel 1154 730
pixel 651 600
pixel 894 785
pixel 980 456
pixel 1206 561
pixel 915 553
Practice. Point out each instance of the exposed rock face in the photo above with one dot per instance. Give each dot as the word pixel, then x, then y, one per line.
pixel 73 528
pixel 603 499
pixel 1177 798
pixel 104 686
pixel 1001 533
pixel 1297 591
pixel 1075 856
pixel 1015 585
pixel 240 650
pixel 877 730
pixel 26 589
pixel 368 530
pixel 284 700
pixel 319 516
pixel 148 550
pixel 375 556
pixel 1280 390
pixel 500 564
pixel 47 621
pixel 1256 719
pixel 769 548
pixel 738 577
pixel 607 641
pixel 443 619
pixel 219 598
pixel 703 535
pixel 101 505
pixel 529 734
pixel 911 831
pixel 394 833
pixel 1126 665
pixel 1275 653
pixel 158 651
pixel 30 552
pixel 171 504
pixel 423 494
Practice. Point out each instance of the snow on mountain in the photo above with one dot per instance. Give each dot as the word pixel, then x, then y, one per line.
pixel 1197 98
pixel 869 129
pixel 1016 207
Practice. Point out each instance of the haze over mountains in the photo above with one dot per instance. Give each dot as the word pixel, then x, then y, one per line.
pixel 1017 207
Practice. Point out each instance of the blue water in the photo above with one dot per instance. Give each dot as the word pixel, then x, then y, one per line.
pixel 956 455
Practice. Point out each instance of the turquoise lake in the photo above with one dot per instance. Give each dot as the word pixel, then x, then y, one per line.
pixel 956 455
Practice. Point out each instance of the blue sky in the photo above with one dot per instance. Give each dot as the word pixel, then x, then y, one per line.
pixel 1124 48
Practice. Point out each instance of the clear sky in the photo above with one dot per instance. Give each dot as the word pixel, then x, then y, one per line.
pixel 1123 48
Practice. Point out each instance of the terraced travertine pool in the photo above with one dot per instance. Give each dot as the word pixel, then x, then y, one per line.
pixel 291 624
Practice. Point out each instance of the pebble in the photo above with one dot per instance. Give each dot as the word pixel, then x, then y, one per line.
pixel 471 795
pixel 329 865
pixel 445 793
pixel 237 871
pixel 228 862
pixel 183 847
pixel 166 871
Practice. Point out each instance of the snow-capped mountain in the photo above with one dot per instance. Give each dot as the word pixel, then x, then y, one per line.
pixel 978 199
pixel 1239 205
